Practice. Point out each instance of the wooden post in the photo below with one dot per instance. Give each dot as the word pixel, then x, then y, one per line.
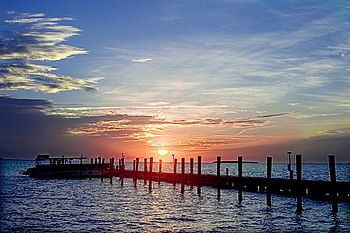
pixel 191 173
pixel 290 166
pixel 182 175
pixel 240 171
pixel 332 173
pixel 199 175
pixel 299 188
pixel 122 168
pixel 144 170
pixel 227 171
pixel 123 164
pixel 112 163
pixel 218 166
pixel 136 171
pixel 111 170
pixel 95 160
pixel 150 173
pixel 102 169
pixel 91 165
pixel 137 164
pixel 268 180
pixel 218 171
pixel 160 170
pixel 175 165
pixel 99 159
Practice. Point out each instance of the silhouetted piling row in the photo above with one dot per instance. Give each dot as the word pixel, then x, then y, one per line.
pixel 321 190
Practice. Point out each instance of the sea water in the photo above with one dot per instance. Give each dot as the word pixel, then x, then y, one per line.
pixel 83 205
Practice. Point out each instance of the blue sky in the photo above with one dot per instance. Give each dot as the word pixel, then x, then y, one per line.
pixel 194 77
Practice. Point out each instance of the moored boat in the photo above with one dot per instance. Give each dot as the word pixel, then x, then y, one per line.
pixel 68 167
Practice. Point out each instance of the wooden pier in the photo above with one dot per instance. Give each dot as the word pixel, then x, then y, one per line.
pixel 332 190
pixel 321 190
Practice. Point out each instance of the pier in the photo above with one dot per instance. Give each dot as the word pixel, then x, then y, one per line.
pixel 322 190
pixel 332 190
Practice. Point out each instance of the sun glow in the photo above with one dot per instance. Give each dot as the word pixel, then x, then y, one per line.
pixel 163 152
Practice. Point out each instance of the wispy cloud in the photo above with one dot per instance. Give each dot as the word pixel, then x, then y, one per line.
pixel 39 78
pixel 151 129
pixel 34 37
pixel 141 60
pixel 244 70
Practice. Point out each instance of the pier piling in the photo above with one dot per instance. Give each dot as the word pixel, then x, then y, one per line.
pixel 136 169
pixel 122 161
pixel 123 164
pixel 191 173
pixel 137 164
pixel 218 166
pixel 150 173
pixel 91 165
pixel 218 169
pixel 299 184
pixel 240 168
pixel 182 175
pixel 333 193
pixel 102 167
pixel 145 170
pixel 175 165
pixel 199 172
pixel 111 172
pixel 268 180
pixel 160 171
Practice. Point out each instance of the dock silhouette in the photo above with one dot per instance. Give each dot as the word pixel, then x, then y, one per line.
pixel 332 190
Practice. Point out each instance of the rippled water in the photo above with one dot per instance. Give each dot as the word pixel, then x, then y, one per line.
pixel 30 205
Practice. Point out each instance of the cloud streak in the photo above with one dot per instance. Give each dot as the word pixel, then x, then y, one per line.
pixel 36 38
pixel 141 60
pixel 144 128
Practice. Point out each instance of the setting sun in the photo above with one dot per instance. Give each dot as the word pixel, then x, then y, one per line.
pixel 163 152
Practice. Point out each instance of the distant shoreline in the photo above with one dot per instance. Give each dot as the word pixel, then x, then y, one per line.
pixel 235 161
pixel 208 162
pixel 17 159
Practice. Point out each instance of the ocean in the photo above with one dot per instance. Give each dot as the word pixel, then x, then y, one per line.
pixel 83 205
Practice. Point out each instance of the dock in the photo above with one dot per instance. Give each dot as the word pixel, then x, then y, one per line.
pixel 332 191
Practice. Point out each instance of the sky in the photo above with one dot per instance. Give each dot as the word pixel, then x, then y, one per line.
pixel 223 77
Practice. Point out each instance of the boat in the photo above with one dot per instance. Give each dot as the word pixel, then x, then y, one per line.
pixel 69 167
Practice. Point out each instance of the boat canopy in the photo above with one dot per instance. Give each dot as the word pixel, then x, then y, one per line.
pixel 42 159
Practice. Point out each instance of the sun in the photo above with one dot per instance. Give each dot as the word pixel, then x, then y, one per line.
pixel 163 152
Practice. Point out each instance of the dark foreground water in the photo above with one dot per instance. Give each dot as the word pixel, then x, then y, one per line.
pixel 39 205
